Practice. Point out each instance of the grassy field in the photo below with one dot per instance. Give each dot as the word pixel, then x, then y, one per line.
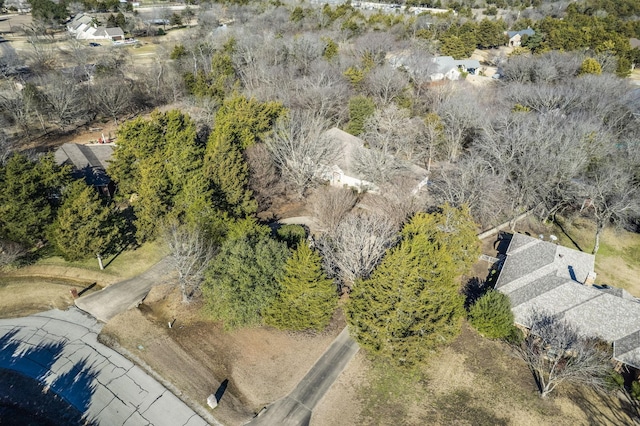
pixel 617 260
pixel 474 381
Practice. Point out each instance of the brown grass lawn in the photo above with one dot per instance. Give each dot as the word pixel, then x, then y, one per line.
pixel 474 381
pixel 25 296
pixel 261 364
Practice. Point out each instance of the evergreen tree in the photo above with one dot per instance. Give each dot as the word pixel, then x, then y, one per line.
pixel 85 225
pixel 491 315
pixel 155 160
pixel 590 66
pixel 412 303
pixel 242 280
pixel 29 197
pixel 360 109
pixel 307 297
pixel 229 173
pixel 239 123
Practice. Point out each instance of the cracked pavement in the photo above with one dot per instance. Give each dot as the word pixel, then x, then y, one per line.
pixel 61 350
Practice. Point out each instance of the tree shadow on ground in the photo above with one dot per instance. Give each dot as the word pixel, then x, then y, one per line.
pixel 616 407
pixel 221 389
pixel 75 387
pixel 473 290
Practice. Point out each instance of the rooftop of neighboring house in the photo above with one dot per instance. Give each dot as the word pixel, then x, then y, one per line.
pixel 445 63
pixel 88 161
pixel 542 276
pixel 348 151
pixel 528 32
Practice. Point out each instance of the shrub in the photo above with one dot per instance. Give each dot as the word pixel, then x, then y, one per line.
pixel 491 316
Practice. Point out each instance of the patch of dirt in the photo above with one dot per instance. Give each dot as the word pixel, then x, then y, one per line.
pixel 341 405
pixel 260 364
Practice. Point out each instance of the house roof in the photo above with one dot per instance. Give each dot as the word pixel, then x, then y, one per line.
pixel 114 32
pixel 528 32
pixel 446 63
pixel 88 161
pixel 542 276
pixel 349 146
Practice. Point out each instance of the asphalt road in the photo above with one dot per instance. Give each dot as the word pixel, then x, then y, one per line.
pixel 60 349
pixel 296 408
pixel 109 302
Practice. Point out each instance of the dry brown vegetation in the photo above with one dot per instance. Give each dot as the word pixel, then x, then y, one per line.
pixel 261 364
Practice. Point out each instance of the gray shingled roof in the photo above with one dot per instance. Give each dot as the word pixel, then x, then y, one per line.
pixel 541 276
pixel 88 161
pixel 528 32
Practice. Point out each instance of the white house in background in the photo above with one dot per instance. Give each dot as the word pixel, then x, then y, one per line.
pixel 343 172
pixel 447 68
pixel 515 37
pixel 82 27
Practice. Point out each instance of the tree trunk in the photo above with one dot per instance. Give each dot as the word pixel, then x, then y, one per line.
pixel 599 229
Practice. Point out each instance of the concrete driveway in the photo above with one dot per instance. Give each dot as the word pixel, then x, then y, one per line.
pixel 295 409
pixel 109 302
pixel 60 349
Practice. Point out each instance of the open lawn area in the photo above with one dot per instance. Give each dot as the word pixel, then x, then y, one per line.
pixel 119 267
pixel 474 381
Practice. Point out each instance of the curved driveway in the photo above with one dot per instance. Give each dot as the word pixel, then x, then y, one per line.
pixel 61 350
pixel 109 302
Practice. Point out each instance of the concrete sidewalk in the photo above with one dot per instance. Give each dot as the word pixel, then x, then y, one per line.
pixel 61 350
pixel 109 302
pixel 295 409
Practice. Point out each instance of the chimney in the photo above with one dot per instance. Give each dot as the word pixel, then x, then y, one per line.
pixel 591 279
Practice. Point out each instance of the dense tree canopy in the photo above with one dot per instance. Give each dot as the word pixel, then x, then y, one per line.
pixel 412 303
pixel 307 298
pixel 30 194
pixel 157 159
pixel 85 225
pixel 242 280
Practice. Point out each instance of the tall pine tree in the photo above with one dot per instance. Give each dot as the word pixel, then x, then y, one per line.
pixel 307 297
pixel 85 225
pixel 412 303
pixel 239 124
pixel 29 197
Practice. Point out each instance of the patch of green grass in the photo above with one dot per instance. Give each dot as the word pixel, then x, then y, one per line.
pixel 390 393
pixel 631 254
pixel 127 264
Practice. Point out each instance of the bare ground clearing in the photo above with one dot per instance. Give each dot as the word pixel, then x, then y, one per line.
pixel 261 364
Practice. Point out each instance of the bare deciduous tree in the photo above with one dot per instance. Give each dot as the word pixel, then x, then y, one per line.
pixel 473 182
pixel 556 353
pixel 613 196
pixel 377 165
pixel 331 205
pixel 386 84
pixel 65 99
pixel 190 254
pixel 393 130
pixel 459 114
pixel 357 246
pixel 301 150
pixel 10 252
pixel 264 179
pixel 113 96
